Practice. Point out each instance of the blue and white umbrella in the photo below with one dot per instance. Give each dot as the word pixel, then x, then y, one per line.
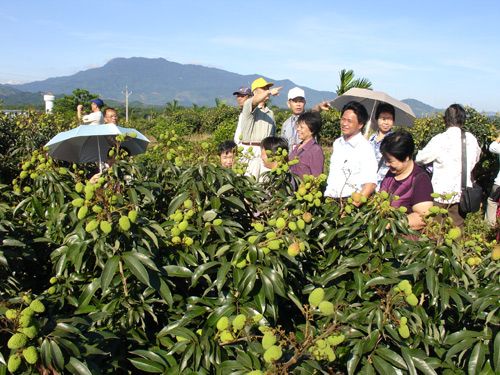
pixel 91 143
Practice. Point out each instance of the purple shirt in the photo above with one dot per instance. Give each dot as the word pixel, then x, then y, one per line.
pixel 414 189
pixel 311 159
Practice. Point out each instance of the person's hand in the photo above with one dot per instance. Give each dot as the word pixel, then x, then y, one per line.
pixel 497 140
pixel 275 91
pixel 324 106
pixel 79 107
pixel 95 178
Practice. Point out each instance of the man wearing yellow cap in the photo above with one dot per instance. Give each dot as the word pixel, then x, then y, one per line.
pixel 257 121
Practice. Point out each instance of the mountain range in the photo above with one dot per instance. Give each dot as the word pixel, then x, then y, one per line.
pixel 158 81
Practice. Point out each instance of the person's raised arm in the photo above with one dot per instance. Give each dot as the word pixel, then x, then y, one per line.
pixel 323 106
pixel 261 95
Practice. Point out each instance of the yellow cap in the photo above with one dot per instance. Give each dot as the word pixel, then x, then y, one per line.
pixel 261 83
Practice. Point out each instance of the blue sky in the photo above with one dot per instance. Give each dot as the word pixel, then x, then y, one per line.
pixel 438 52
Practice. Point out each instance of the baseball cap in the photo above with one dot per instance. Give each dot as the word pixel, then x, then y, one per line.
pixel 243 91
pixel 97 102
pixel 296 92
pixel 261 83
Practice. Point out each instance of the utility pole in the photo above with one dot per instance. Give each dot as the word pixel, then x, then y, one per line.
pixel 127 94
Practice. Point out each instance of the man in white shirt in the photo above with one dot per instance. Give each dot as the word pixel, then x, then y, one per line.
pixel 94 118
pixel 445 152
pixel 242 94
pixel 353 167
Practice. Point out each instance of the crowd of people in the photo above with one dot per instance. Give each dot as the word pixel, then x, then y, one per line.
pixel 384 162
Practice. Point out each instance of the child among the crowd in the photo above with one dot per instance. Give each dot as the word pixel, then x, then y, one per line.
pixel 227 150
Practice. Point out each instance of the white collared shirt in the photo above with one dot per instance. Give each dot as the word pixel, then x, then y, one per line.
pixel 495 148
pixel 352 165
pixel 445 152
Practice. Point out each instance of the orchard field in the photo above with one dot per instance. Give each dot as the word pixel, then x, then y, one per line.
pixel 172 265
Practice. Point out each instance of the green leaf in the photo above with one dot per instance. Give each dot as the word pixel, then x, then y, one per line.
pixel 87 293
pixel 476 359
pixel 423 366
pixel 392 357
pixel 178 271
pixel 458 337
pixel 147 365
pixel 77 367
pixel 496 353
pixel 382 366
pixel 57 356
pixel 200 271
pixel 136 268
pixel 409 361
pixel 109 272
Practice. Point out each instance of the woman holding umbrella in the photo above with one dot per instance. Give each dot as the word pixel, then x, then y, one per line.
pixel 384 115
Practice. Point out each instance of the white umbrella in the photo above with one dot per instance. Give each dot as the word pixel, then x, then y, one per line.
pixel 90 143
pixel 404 115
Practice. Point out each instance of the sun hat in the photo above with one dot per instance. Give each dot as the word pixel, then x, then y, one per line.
pixel 243 91
pixel 296 92
pixel 261 83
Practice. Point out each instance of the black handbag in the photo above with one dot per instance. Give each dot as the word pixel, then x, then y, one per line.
pixel 470 200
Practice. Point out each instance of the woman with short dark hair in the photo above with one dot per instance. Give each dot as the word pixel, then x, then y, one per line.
pixel 309 153
pixel 405 178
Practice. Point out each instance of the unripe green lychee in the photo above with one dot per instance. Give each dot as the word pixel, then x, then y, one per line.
pixel 301 224
pixel 326 307
pixel 404 331
pixel 434 210
pixel 335 340
pixel 454 233
pixel 239 322
pixel 223 323
pixel 270 235
pixel 11 314
pixel 412 299
pixel 82 212
pixel 176 239
pixel 96 209
pixel 280 223
pixel 217 222
pixel 259 227
pixel 91 225
pixel 255 372
pixel 188 203
pixel 293 249
pixel 292 226
pixel 78 202
pixel 30 331
pixel 175 231
pixel 51 290
pixel 273 354
pixel 268 340
pixel 17 340
pixel 257 318
pixel 405 287
pixel 316 296
pixel 37 306
pixel 14 363
pixel 274 244
pixel 30 354
pixel 132 215
pixel 178 217
pixel 53 280
pixel 124 223
pixel 226 336
pixel 404 320
pixel 105 226
pixel 188 241
pixel 79 187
